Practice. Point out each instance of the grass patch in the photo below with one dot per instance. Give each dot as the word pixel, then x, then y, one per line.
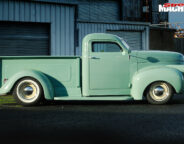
pixel 7 100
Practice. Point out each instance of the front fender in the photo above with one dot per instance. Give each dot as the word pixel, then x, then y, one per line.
pixel 44 81
pixel 143 79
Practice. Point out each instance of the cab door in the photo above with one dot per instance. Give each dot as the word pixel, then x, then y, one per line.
pixel 108 69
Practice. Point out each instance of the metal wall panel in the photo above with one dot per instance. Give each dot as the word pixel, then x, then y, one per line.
pixel 132 38
pixel 162 39
pixel 95 10
pixel 85 28
pixel 155 4
pixel 178 45
pixel 58 1
pixel 131 10
pixel 157 16
pixel 103 10
pixel 60 17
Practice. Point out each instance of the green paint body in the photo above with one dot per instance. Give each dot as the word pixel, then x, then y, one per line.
pixel 113 76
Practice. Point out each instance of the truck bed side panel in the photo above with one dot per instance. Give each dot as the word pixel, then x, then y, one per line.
pixel 64 73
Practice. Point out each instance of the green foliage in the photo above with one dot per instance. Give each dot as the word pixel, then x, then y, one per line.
pixel 7 100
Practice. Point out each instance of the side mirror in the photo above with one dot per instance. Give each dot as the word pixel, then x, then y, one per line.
pixel 129 51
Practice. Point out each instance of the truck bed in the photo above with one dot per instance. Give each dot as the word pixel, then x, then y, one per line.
pixel 63 72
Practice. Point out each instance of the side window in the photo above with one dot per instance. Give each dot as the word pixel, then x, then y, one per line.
pixel 105 47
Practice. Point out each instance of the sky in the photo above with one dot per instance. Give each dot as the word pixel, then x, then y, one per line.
pixel 176 16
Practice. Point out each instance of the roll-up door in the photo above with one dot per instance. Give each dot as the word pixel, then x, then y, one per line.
pixel 133 38
pixel 101 10
pixel 23 39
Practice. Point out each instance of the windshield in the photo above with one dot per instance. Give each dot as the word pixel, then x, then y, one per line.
pixel 125 44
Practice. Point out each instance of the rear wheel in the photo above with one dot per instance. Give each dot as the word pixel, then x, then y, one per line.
pixel 159 93
pixel 28 92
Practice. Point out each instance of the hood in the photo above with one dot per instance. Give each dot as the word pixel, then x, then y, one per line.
pixel 158 56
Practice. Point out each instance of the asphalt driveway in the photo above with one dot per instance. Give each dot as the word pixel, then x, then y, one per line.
pixel 94 122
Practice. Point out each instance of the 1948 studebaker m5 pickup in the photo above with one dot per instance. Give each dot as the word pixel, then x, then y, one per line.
pixel 107 70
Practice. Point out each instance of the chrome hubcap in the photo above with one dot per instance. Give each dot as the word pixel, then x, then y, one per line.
pixel 158 91
pixel 28 90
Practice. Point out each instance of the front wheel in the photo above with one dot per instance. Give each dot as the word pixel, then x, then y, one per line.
pixel 159 93
pixel 28 92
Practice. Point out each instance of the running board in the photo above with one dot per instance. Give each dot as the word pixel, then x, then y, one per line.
pixel 109 98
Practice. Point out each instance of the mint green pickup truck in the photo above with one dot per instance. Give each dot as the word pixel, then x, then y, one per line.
pixel 107 70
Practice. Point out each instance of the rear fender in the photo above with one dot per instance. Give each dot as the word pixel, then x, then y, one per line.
pixel 44 81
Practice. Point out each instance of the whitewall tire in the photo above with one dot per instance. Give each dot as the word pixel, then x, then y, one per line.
pixel 159 93
pixel 28 92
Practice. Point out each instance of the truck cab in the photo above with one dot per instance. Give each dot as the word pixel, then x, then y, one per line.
pixel 105 65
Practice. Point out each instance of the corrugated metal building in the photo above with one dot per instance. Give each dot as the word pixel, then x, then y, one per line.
pixel 36 28
pixel 57 27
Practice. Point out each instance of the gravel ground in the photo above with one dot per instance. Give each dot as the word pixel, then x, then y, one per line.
pixel 94 122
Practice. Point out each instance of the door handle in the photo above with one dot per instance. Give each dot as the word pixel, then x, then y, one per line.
pixel 94 58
